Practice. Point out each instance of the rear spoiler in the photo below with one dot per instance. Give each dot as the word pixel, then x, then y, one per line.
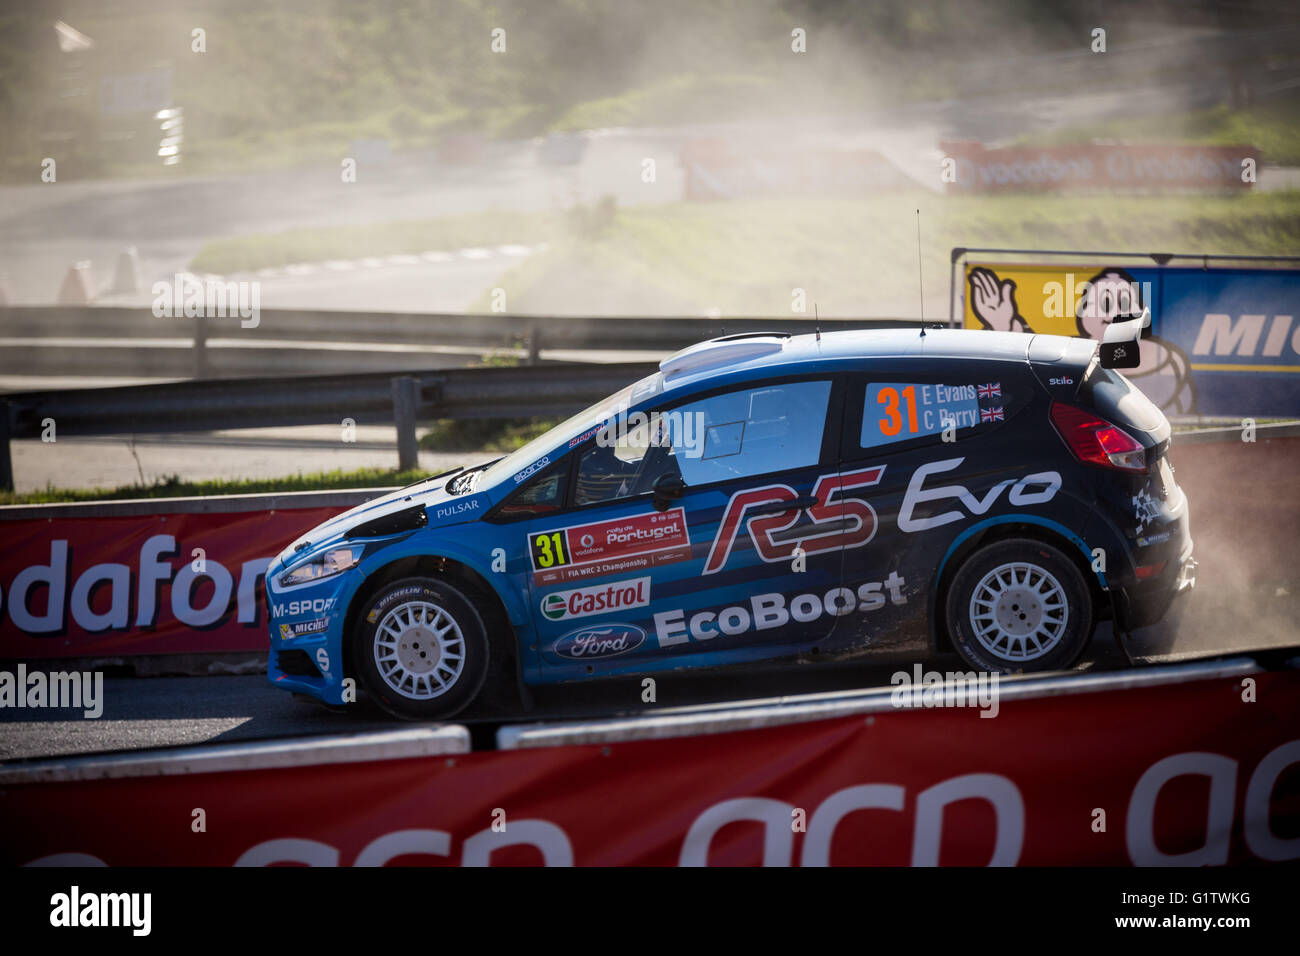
pixel 1119 346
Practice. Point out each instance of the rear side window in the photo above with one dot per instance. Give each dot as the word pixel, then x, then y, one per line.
pixel 893 412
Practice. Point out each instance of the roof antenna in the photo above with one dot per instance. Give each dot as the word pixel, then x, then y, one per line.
pixel 920 282
pixel 817 319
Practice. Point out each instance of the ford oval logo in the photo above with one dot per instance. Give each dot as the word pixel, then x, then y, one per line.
pixel 605 640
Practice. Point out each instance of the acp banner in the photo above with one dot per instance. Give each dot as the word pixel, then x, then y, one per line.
pixel 1204 773
pixel 1224 342
pixel 140 584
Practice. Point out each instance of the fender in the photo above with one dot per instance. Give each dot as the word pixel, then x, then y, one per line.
pixel 981 526
pixel 421 546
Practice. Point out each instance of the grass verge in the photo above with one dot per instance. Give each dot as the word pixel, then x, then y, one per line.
pixel 173 487
pixel 484 434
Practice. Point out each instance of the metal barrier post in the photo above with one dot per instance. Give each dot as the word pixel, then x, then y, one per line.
pixel 201 369
pixel 405 405
pixel 534 342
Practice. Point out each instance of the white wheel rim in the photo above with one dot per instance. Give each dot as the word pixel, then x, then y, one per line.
pixel 419 650
pixel 1019 612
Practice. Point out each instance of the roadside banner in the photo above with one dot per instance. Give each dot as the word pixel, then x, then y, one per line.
pixel 1095 166
pixel 719 169
pixel 1197 773
pixel 1224 341
pixel 167 583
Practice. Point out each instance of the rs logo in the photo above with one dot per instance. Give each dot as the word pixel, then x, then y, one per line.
pixel 762 509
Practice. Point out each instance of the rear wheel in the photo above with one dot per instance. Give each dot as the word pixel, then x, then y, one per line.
pixel 1019 605
pixel 420 649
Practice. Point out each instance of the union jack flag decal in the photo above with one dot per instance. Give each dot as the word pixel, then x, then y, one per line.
pixel 991 390
pixel 991 414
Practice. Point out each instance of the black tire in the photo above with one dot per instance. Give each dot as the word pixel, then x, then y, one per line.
pixel 1035 611
pixel 404 618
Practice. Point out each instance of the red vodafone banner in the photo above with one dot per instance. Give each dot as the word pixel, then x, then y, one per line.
pixel 1197 773
pixel 1098 166
pixel 170 583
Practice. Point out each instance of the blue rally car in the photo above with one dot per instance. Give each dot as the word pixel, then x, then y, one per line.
pixel 807 497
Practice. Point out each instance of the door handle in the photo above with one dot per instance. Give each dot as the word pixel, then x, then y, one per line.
pixel 776 507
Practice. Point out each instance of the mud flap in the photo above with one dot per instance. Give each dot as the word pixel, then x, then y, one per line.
pixel 1119 623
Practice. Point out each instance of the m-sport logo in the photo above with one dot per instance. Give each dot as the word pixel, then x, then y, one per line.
pixel 584 602
pixel 589 643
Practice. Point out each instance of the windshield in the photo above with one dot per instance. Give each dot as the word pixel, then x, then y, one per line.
pixel 566 434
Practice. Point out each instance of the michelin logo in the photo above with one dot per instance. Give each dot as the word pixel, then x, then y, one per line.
pixel 1221 334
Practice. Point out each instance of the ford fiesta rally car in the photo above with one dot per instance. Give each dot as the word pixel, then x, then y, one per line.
pixel 809 497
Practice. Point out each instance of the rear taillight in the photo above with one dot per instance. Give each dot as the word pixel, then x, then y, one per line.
pixel 1096 441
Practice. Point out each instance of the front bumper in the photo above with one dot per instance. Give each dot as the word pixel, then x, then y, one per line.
pixel 305 626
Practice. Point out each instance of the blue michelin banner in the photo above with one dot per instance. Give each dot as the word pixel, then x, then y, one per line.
pixel 1237 328
pixel 1224 342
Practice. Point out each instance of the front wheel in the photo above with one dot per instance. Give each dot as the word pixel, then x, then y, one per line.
pixel 420 649
pixel 1019 605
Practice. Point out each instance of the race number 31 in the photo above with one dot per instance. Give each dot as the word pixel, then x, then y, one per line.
pixel 548 549
pixel 892 423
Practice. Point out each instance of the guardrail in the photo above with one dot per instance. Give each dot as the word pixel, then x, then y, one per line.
pixel 64 340
pixel 505 392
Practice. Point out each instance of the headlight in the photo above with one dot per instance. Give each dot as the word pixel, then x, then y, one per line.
pixel 321 566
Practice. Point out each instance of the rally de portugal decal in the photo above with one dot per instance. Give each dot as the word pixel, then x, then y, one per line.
pixel 601 548
pixel 597 599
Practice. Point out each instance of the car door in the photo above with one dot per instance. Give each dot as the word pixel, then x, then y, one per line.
pixel 742 566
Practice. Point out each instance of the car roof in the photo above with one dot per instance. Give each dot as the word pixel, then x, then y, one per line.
pixel 763 353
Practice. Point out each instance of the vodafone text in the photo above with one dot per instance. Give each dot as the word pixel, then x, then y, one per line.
pixel 772 610
pixel 121 581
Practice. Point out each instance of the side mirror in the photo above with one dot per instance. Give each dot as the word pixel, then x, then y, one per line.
pixel 667 489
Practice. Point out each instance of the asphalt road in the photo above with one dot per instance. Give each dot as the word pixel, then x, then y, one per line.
pixel 174 711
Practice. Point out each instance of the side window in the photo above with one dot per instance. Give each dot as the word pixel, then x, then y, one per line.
pixel 541 495
pixel 894 412
pixel 626 466
pixel 751 432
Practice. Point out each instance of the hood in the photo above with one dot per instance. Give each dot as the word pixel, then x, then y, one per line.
pixel 442 509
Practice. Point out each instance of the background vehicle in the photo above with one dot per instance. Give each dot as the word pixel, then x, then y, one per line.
pixel 808 497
